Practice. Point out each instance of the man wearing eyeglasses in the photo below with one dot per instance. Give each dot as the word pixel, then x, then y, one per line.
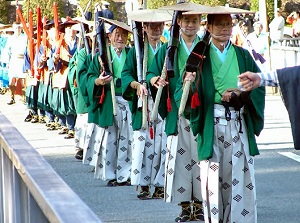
pixel 226 123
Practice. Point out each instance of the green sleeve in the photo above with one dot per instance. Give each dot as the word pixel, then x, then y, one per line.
pixel 101 114
pixel 72 73
pixel 83 61
pixel 154 71
pixel 92 75
pixel 128 75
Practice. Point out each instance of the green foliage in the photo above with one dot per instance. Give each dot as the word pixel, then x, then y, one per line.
pixel 269 6
pixel 3 9
pixel 46 8
pixel 254 5
pixel 211 2
pixel 152 4
pixel 83 4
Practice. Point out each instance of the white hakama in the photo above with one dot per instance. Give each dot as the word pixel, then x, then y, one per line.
pixel 149 155
pixel 182 180
pixel 114 157
pixel 227 179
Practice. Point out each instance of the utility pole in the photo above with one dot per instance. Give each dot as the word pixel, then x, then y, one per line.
pixel 275 7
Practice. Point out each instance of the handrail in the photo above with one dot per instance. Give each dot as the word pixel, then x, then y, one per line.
pixel 31 191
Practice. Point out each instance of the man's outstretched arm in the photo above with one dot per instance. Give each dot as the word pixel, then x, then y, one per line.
pixel 249 80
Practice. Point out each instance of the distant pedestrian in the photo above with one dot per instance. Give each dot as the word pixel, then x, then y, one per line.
pixel 258 39
pixel 294 20
pixel 276 28
pixel 16 48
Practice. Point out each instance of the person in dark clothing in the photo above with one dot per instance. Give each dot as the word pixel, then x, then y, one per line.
pixel 106 12
pixel 288 84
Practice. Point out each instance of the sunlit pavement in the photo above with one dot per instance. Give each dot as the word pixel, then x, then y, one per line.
pixel 277 171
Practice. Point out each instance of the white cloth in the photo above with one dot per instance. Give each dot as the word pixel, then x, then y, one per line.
pixel 227 179
pixel 114 143
pixel 92 144
pixel 149 155
pixel 276 28
pixel 182 180
pixel 16 47
pixel 259 43
pixel 81 130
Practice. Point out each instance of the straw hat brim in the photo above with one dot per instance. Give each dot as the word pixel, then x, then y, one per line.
pixel 150 15
pixel 4 26
pixel 117 23
pixel 83 20
pixel 187 6
pixel 6 29
pixel 219 10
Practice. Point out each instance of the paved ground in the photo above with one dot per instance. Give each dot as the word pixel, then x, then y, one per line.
pixel 277 172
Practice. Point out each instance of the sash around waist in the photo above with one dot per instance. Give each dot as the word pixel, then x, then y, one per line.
pixel 219 111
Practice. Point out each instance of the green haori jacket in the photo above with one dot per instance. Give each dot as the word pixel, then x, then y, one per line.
pixel 154 71
pixel 100 114
pixel 83 62
pixel 129 74
pixel 202 118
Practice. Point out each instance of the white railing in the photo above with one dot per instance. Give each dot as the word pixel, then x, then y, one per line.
pixel 31 191
pixel 285 54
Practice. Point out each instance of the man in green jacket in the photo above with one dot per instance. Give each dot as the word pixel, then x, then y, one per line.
pixel 148 153
pixel 225 122
pixel 113 131
pixel 182 173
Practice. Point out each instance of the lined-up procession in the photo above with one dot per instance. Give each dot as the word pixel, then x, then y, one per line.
pixel 150 102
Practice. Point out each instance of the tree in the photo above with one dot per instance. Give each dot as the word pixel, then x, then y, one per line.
pixel 154 4
pixel 158 3
pixel 269 5
pixel 3 10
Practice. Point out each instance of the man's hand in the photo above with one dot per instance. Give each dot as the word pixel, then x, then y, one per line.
pixel 103 79
pixel 140 89
pixel 189 76
pixel 55 58
pixel 226 96
pixel 158 81
pixel 249 81
pixel 43 58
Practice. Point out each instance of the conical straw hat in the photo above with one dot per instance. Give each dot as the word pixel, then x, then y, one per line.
pixel 83 20
pixel 117 23
pixel 6 29
pixel 219 10
pixel 150 15
pixel 187 6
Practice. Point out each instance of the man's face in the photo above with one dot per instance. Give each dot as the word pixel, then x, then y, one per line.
pixel 258 29
pixel 189 24
pixel 154 30
pixel 17 29
pixel 51 35
pixel 221 28
pixel 118 38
